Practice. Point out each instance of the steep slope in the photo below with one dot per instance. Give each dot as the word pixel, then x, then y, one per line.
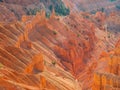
pixel 27 7
pixel 29 68
pixel 92 6
pixel 39 51
pixel 62 46
pixel 6 14
pixel 110 79
pixel 66 41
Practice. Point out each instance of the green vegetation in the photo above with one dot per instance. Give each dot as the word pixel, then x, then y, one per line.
pixel 112 0
pixel 1 0
pixel 93 12
pixel 32 11
pixel 100 9
pixel 78 35
pixel 49 5
pixel 54 32
pixel 47 14
pixel 54 63
pixel 1 65
pixel 60 9
pixel 58 6
pixel 44 62
pixel 118 7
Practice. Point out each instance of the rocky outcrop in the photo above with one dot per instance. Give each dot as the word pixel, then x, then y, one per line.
pixel 27 64
pixel 111 79
pixel 37 65
pixel 106 81
pixel 92 6
pixel 114 63
pixel 6 15
pixel 71 51
pixel 56 53
pixel 22 2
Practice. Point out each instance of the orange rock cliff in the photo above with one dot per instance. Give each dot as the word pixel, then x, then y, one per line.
pixel 42 50
pixel 109 80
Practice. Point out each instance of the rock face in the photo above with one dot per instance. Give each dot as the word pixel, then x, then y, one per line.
pixel 59 53
pixel 92 6
pixel 114 63
pixel 26 56
pixel 110 80
pixel 67 46
pixel 106 81
pixel 6 14
pixel 37 64
pixel 22 2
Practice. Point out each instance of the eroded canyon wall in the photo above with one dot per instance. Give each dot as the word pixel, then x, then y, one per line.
pixel 109 80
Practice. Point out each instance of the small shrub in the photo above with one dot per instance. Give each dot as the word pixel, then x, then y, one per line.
pixel 118 7
pixel 78 35
pixel 54 32
pixel 1 0
pixel 54 63
pixel 32 11
pixel 1 65
pixel 47 14
pixel 102 9
pixel 62 10
pixel 50 7
pixel 58 6
pixel 44 62
pixel 112 0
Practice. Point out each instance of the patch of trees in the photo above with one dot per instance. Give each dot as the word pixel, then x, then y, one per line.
pixel 60 9
pixel 1 0
pixel 32 11
pixel 100 9
pixel 118 7
pixel 112 0
pixel 57 5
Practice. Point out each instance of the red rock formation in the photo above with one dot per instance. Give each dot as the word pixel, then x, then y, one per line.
pixel 114 63
pixel 22 66
pixel 106 81
pixel 6 15
pixel 37 64
pixel 68 41
pixel 110 80
pixel 22 2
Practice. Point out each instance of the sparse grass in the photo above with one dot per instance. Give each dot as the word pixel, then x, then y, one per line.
pixel 44 62
pixel 118 7
pixel 32 11
pixel 54 32
pixel 112 0
pixel 53 63
pixel 1 65
pixel 78 35
pixel 47 14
